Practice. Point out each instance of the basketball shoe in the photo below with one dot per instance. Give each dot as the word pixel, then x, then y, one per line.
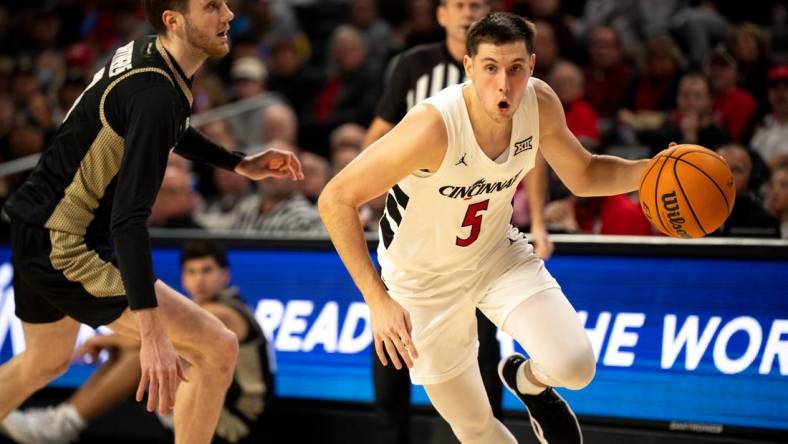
pixel 551 418
pixel 49 425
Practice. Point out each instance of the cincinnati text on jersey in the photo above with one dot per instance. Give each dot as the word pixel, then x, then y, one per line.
pixel 477 188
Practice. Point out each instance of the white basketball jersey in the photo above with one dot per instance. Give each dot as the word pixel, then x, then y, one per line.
pixel 452 220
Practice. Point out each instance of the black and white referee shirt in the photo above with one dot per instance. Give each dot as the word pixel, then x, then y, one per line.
pixel 420 72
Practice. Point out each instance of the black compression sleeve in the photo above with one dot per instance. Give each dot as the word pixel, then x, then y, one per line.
pixel 198 148
pixel 151 127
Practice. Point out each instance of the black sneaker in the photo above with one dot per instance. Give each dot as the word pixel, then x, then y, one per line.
pixel 551 418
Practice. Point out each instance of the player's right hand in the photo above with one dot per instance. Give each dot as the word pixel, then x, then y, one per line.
pixel 161 372
pixel 391 328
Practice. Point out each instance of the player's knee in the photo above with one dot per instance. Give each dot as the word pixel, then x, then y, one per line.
pixel 579 368
pixel 472 431
pixel 224 352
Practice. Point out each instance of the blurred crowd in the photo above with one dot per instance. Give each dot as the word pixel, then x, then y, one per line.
pixel 305 75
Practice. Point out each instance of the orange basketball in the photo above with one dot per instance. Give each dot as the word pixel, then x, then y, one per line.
pixel 687 191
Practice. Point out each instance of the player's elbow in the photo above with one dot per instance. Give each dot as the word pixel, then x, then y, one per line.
pixel 580 186
pixel 324 200
pixel 328 200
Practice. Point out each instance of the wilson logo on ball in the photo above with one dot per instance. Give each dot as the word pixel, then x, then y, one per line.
pixel 671 205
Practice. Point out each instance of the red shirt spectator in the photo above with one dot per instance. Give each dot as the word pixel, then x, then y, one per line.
pixel 608 78
pixel 582 120
pixel 568 83
pixel 734 108
pixel 611 215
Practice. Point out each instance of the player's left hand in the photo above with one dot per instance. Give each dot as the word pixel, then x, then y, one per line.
pixel 271 163
pixel 543 246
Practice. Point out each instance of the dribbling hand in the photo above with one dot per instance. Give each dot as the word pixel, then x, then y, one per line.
pixel 391 328
pixel 272 162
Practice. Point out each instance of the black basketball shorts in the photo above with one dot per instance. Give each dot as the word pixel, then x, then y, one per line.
pixel 57 274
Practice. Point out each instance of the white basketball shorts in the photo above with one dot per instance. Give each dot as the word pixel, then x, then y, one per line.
pixel 444 316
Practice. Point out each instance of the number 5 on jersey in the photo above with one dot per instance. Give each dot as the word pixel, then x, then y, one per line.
pixel 474 220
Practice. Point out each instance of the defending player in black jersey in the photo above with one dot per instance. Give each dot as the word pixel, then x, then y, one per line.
pixel 81 251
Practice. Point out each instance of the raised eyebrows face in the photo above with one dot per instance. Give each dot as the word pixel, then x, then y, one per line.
pixel 500 74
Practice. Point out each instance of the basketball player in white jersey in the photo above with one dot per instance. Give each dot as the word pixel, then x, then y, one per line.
pixel 446 245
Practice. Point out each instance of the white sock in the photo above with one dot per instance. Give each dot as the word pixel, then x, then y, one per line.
pixel 524 385
pixel 70 421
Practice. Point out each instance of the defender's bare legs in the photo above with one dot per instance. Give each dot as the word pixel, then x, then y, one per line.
pixel 208 346
pixel 110 385
pixel 47 355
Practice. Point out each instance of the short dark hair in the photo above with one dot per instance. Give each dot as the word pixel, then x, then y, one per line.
pixel 155 8
pixel 200 249
pixel 500 28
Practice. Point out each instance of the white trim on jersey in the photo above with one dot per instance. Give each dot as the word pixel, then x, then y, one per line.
pixel 442 76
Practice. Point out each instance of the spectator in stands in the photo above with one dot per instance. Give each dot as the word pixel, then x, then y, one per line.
pixel 289 75
pixel 607 76
pixel 363 14
pixel 619 214
pixel 348 134
pixel 748 218
pixel 748 43
pixel 265 20
pixel 420 27
pixel 734 108
pixel 317 172
pixel 771 138
pixel 205 277
pixel 568 83
pixel 546 46
pixel 67 94
pixel 24 82
pixel 7 121
pixel 349 91
pixel 176 200
pixel 249 79
pixel 551 12
pixel 777 195
pixel 24 139
pixel 692 122
pixel 229 189
pixel 699 27
pixel 661 66
pixel 343 155
pixel 40 113
pixel 279 123
pixel 277 206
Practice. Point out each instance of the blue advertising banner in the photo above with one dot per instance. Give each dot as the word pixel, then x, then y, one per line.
pixel 686 340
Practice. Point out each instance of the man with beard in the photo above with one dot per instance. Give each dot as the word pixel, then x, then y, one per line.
pixel 81 250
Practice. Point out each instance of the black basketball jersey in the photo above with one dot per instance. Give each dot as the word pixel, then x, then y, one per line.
pixel 100 175
pixel 420 72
